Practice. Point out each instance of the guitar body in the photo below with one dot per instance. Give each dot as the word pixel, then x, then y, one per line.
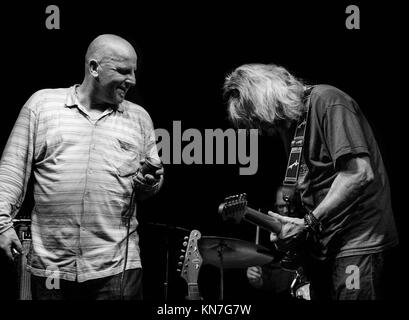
pixel 235 208
pixel 23 276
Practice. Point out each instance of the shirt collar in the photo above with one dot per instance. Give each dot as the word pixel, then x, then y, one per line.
pixel 72 100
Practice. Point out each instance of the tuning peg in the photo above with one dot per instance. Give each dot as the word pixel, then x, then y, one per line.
pixel 181 257
pixel 180 263
pixel 186 238
pixel 185 244
pixel 183 251
pixel 178 270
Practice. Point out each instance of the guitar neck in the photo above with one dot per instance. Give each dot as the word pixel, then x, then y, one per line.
pixel 193 292
pixel 262 220
pixel 24 278
pixel 23 275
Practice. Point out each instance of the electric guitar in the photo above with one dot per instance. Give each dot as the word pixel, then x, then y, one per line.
pixel 192 261
pixel 23 228
pixel 234 208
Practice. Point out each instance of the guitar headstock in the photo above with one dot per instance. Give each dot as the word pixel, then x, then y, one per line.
pixel 192 260
pixel 234 207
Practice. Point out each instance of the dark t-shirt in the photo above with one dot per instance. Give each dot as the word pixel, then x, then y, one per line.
pixel 337 128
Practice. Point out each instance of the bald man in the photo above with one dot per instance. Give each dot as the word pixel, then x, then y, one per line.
pixel 85 146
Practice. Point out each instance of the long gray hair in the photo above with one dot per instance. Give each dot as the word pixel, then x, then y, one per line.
pixel 263 93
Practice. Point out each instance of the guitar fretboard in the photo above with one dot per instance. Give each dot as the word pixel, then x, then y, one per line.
pixel 23 274
pixel 193 292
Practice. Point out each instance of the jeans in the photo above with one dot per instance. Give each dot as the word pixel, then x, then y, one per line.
pixel 359 277
pixel 108 288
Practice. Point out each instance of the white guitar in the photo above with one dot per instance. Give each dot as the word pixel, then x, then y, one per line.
pixel 192 261
pixel 23 229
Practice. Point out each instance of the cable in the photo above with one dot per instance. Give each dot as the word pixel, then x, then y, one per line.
pixel 145 169
pixel 130 214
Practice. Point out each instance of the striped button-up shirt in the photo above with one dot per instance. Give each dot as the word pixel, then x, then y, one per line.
pixel 82 171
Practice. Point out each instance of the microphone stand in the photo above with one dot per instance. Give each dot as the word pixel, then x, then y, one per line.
pixel 167 264
pixel 220 250
pixel 166 282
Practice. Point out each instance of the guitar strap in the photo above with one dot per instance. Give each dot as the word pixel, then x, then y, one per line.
pixel 296 154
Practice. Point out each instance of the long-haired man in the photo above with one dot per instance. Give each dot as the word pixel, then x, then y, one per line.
pixel 342 184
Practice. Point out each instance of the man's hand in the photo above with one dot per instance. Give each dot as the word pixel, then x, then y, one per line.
pixel 9 242
pixel 291 228
pixel 273 235
pixel 149 179
pixel 147 184
pixel 254 275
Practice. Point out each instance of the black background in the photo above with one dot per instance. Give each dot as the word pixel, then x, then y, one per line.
pixel 185 49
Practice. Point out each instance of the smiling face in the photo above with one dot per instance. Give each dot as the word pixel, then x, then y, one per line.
pixel 116 75
pixel 110 69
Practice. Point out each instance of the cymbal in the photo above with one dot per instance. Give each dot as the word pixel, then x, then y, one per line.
pixel 237 253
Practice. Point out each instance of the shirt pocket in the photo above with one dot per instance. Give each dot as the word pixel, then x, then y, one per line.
pixel 129 157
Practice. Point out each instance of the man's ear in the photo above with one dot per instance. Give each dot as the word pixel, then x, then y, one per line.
pixel 93 68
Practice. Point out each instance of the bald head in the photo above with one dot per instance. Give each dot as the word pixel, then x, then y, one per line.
pixel 109 46
pixel 110 67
